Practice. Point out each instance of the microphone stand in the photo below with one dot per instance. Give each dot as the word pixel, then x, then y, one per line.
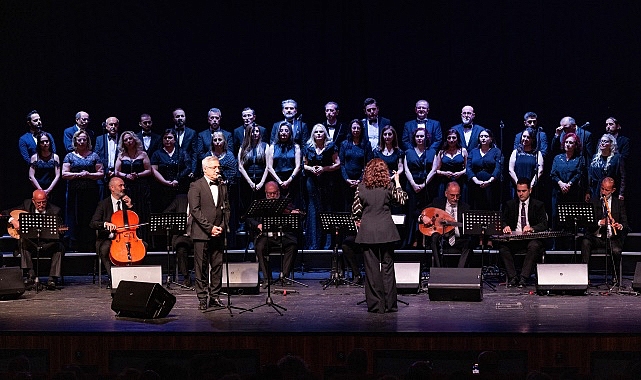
pixel 501 163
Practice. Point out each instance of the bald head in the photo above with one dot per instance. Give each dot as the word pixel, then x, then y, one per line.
pixel 117 187
pixel 272 191
pixel 39 199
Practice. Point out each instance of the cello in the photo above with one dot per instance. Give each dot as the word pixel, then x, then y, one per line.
pixel 439 221
pixel 126 247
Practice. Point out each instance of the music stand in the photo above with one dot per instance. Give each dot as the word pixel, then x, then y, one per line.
pixel 483 223
pixel 579 214
pixel 336 223
pixel 280 224
pixel 264 208
pixel 169 224
pixel 38 226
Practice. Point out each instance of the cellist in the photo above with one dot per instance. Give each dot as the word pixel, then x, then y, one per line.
pixel 453 206
pixel 101 220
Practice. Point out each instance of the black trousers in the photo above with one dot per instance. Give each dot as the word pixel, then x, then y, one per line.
pixel 380 286
pixel 55 249
pixel 533 249
pixel 264 244
pixel 208 262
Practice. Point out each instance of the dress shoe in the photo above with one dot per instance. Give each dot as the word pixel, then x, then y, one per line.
pixel 522 282
pixel 187 282
pixel 51 284
pixel 202 304
pixel 29 283
pixel 215 302
pixel 358 280
pixel 514 281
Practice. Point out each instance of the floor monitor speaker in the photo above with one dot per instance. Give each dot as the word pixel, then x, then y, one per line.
pixel 455 284
pixel 11 283
pixel 142 300
pixel 562 278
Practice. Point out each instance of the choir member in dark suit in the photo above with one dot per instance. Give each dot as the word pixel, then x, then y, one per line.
pixel 209 215
pixel 613 127
pixel 27 142
pixel 522 215
pixel 373 124
pixel 377 234
pixel 467 130
pixel 599 234
pixel 203 139
pixel 82 122
pixel 101 220
pixel 299 131
pixel 151 141
pixel 432 127
pixel 249 120
pixel 530 120
pixel 337 130
pixel 38 205
pixel 185 139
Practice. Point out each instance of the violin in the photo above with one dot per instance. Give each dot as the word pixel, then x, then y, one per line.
pixel 439 221
pixel 126 247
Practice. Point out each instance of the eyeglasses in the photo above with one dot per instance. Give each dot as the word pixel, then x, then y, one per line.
pixel 451 138
pixel 148 122
pixel 169 137
pixel 44 141
pixel 609 123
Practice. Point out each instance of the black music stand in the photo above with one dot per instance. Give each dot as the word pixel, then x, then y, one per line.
pixel 264 208
pixel 280 224
pixel 484 223
pixel 38 226
pixel 579 214
pixel 169 224
pixel 336 223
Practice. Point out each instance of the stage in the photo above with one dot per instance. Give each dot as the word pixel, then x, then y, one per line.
pixel 579 333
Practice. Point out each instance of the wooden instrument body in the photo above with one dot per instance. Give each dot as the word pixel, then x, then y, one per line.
pixel 126 247
pixel 440 222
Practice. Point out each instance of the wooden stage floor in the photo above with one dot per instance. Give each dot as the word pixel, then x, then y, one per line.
pixel 81 306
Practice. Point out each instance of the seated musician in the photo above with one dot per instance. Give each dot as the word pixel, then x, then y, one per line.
pixel 266 240
pixel 453 239
pixel 597 234
pixel 182 244
pixel 101 220
pixel 522 215
pixel 38 204
pixel 350 258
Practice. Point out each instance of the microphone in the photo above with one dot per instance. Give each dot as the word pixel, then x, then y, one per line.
pixel 501 125
pixel 587 124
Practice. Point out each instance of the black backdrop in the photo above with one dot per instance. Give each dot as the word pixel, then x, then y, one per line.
pixel 123 58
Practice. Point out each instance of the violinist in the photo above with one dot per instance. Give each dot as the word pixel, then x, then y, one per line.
pixel 101 220
pixel 264 241
pixel 610 226
pixel 453 239
pixel 209 218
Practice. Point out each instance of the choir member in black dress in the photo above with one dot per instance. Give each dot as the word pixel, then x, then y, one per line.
pixel 252 166
pixel 171 167
pixel 450 163
pixel 284 163
pixel 320 159
pixel 134 167
pixel 607 162
pixel 484 172
pixel 81 168
pixel 377 234
pixel 354 153
pixel 567 173
pixel 526 161
pixel 418 161
pixel 44 171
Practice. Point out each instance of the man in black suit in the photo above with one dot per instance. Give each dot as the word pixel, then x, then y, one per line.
pixel 530 120
pixel 468 131
pixel 599 234
pixel 566 125
pixel 38 205
pixel 454 239
pixel 185 138
pixel 266 240
pixel 300 134
pixel 432 127
pixel 27 142
pixel 82 122
pixel 203 140
pixel 373 124
pixel 337 130
pixel 249 120
pixel 151 142
pixel 106 148
pixel 101 219
pixel 209 215
pixel 522 215
pixel 182 244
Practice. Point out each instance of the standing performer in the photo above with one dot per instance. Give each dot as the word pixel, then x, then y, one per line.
pixel 209 207
pixel 377 233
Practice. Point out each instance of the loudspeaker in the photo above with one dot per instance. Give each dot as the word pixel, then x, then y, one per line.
pixel 138 273
pixel 455 284
pixel 408 275
pixel 562 278
pixel 243 277
pixel 142 300
pixel 636 282
pixel 11 283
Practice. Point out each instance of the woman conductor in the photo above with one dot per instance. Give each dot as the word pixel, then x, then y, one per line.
pixel 377 233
